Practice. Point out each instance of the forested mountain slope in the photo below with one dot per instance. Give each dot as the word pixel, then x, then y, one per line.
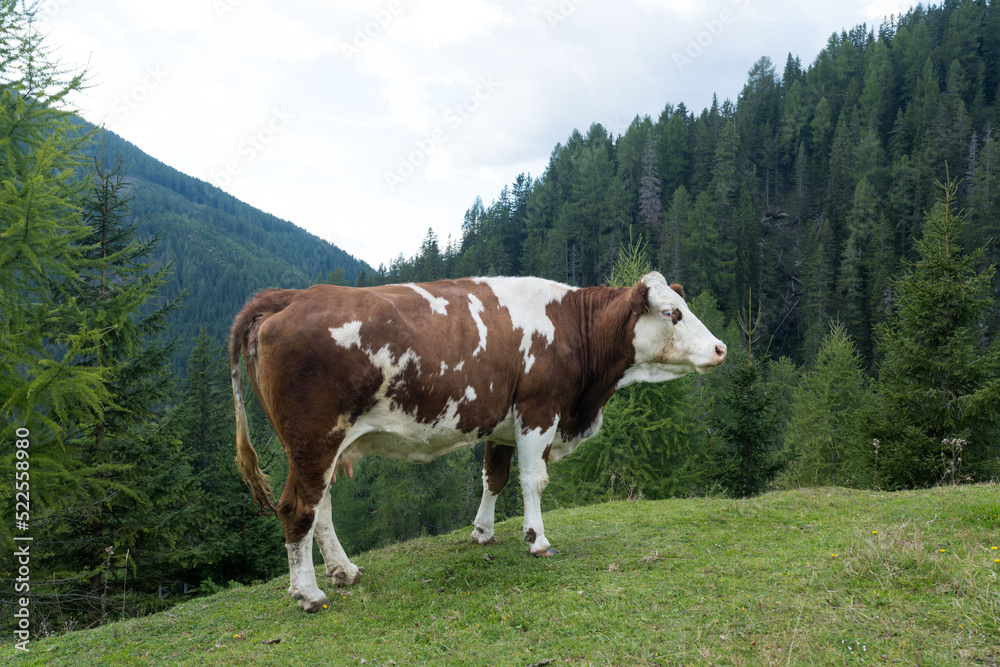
pixel 223 249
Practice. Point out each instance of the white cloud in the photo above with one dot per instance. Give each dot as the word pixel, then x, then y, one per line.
pixel 437 23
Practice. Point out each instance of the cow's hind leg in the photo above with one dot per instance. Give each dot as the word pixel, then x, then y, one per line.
pixel 496 472
pixel 338 566
pixel 298 510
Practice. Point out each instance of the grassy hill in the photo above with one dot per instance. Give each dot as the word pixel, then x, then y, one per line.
pixel 818 576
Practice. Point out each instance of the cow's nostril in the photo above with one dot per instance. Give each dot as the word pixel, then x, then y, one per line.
pixel 720 351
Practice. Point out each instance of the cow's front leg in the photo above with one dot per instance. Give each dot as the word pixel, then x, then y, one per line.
pixel 496 472
pixel 532 446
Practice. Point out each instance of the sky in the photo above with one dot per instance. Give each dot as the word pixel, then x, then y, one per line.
pixel 370 122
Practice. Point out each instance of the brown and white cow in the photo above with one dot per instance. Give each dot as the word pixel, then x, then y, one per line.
pixel 416 371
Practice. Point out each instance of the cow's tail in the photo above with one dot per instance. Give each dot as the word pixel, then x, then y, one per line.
pixel 246 457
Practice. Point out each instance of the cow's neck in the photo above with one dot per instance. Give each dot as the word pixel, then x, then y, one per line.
pixel 606 351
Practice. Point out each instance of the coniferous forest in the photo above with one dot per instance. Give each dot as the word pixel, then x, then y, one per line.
pixel 836 224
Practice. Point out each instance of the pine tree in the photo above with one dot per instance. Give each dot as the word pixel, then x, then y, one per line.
pixel 650 199
pixel 747 461
pixel 856 266
pixel 939 381
pixel 139 472
pixel 674 227
pixel 44 389
pixel 824 433
pixel 707 260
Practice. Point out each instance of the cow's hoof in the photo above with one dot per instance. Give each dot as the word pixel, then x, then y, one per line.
pixel 315 605
pixel 480 536
pixel 346 576
pixel 544 554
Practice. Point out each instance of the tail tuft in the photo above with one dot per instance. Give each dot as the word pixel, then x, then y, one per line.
pixel 246 456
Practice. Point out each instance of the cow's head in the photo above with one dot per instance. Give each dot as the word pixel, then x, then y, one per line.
pixel 669 340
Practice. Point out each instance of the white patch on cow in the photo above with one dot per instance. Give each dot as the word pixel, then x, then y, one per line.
pixel 302 583
pixel 347 335
pixel 470 394
pixel 459 366
pixel 491 387
pixel 444 367
pixel 664 350
pixel 525 300
pixel 438 304
pixel 476 308
pixel 383 360
pixel 529 361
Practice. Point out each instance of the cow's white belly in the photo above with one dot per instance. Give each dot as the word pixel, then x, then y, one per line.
pixel 397 434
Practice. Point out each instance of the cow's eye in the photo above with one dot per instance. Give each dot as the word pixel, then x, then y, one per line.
pixel 671 314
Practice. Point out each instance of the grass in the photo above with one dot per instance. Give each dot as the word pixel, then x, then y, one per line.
pixel 816 576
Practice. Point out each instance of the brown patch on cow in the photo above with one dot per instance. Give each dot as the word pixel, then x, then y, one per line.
pixel 404 392
pixel 678 288
pixel 676 316
pixel 496 466
pixel 530 536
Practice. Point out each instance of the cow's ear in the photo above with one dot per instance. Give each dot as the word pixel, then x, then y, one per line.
pixel 677 288
pixel 638 299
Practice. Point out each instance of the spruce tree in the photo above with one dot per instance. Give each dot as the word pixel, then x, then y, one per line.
pixel 44 391
pixel 939 379
pixel 137 473
pixel 650 199
pixel 747 461
pixel 824 433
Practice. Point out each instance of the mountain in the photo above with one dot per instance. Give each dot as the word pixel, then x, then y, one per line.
pixel 223 250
